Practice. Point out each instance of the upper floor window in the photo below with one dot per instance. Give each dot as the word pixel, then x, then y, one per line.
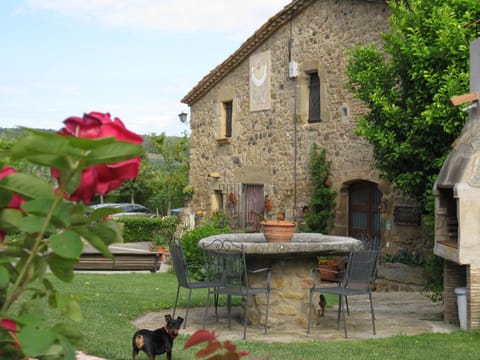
pixel 314 98
pixel 227 119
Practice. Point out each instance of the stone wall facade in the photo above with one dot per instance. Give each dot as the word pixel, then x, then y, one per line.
pixel 272 147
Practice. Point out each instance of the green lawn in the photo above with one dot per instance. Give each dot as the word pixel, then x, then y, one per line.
pixel 110 302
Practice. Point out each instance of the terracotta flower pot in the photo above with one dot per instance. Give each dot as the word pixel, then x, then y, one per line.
pixel 328 269
pixel 278 231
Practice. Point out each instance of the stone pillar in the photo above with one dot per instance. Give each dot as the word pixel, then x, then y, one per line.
pixel 454 276
pixel 289 296
pixel 473 297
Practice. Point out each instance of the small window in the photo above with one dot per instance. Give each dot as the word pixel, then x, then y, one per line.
pixel 227 119
pixel 314 98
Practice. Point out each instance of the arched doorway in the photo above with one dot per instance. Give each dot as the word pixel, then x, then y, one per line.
pixel 364 211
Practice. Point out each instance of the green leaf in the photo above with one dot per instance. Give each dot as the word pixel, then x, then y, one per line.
pixel 35 341
pixel 41 207
pixel 61 267
pixel 48 285
pixel 69 307
pixel 69 352
pixel 67 244
pixel 77 213
pixel 5 197
pixel 94 240
pixel 113 152
pixel 27 186
pixel 69 333
pixel 71 180
pixel 89 144
pixel 46 149
pixel 10 220
pixel 4 278
pixel 39 267
pixel 34 225
pixel 101 213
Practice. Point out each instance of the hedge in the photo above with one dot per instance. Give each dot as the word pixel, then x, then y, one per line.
pixel 141 228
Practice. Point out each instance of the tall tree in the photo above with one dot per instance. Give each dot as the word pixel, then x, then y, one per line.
pixel 407 84
pixel 175 154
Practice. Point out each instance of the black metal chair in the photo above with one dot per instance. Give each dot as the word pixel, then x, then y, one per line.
pixel 359 278
pixel 184 279
pixel 230 257
pixel 369 243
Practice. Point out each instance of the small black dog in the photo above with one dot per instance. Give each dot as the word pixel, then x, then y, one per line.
pixel 323 304
pixel 158 341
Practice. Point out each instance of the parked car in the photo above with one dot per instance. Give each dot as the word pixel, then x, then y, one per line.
pixel 127 209
pixel 175 212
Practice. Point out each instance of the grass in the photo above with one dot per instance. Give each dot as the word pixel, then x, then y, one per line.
pixel 110 301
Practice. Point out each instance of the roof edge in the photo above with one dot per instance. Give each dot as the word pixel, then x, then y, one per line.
pixel 252 43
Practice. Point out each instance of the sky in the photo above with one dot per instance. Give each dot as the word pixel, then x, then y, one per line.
pixel 135 59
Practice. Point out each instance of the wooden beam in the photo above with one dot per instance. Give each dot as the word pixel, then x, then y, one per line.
pixel 461 99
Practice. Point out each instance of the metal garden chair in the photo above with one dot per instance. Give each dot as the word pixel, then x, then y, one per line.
pixel 369 243
pixel 235 279
pixel 184 279
pixel 359 277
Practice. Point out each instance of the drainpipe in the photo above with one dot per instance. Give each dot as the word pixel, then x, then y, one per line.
pixel 292 73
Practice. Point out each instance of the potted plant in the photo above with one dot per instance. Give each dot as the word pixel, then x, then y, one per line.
pixel 278 230
pixel 159 244
pixel 328 267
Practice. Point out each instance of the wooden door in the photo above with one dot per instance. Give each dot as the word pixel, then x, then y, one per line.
pixel 254 199
pixel 365 211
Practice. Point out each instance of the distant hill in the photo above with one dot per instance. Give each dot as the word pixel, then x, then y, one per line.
pixel 7 134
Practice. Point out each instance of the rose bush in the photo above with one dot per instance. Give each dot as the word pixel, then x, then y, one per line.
pixel 48 226
pixel 101 178
pixel 214 349
pixel 15 200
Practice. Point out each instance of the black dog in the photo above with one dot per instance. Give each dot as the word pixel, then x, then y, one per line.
pixel 323 304
pixel 158 341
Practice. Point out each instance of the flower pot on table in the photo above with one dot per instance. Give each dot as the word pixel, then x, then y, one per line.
pixel 328 270
pixel 278 231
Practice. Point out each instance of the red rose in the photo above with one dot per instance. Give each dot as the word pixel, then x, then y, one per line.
pixel 8 324
pixel 102 178
pixel 16 200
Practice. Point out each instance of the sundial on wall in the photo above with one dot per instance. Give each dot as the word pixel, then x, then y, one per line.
pixel 259 68
pixel 259 74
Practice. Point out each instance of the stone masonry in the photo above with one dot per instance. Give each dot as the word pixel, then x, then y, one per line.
pixel 271 147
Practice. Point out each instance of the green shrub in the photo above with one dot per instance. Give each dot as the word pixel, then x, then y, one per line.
pixel 148 229
pixel 319 218
pixel 189 242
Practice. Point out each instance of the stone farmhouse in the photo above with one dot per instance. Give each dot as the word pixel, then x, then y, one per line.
pixel 255 116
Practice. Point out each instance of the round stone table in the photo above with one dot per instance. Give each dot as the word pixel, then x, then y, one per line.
pixel 291 265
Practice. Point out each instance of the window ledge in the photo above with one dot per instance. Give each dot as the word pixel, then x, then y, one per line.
pixel 223 141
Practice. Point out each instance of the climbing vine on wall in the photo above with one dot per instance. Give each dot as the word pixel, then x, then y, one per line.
pixel 321 209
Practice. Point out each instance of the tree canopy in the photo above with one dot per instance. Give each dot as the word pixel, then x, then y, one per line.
pixel 407 81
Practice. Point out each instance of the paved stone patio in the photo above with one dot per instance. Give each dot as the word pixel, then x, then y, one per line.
pixel 397 313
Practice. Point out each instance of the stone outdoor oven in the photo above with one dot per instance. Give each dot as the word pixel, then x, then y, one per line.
pixel 457 208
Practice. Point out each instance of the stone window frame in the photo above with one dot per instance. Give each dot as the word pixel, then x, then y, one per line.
pixel 225 127
pixel 303 92
pixel 227 113
pixel 314 100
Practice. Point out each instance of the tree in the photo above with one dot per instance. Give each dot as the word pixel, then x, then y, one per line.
pixel 320 215
pixel 175 166
pixel 425 61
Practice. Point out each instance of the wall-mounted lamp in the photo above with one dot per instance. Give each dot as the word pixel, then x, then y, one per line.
pixel 183 117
